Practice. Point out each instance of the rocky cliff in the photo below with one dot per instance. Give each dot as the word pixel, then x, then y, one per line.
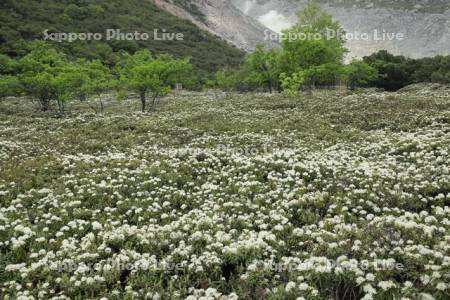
pixel 222 18
pixel 413 28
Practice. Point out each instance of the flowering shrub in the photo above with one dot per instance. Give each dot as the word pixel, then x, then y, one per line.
pixel 340 198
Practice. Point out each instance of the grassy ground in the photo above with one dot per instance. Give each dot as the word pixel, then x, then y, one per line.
pixel 331 195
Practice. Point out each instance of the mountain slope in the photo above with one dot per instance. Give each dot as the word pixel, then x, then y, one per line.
pixel 221 18
pixel 424 24
pixel 26 20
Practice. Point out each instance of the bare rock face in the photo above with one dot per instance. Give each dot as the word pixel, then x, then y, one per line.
pixel 232 24
pixel 223 19
pixel 412 28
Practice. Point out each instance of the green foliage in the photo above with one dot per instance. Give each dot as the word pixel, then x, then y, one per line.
pixel 98 80
pixel 191 8
pixel 292 83
pixel 9 86
pixel 314 47
pixel 146 75
pixel 359 74
pixel 396 72
pixel 208 53
pixel 40 69
pixel 226 80
pixel 8 65
pixel 309 42
pixel 312 54
pixel 392 70
pixel 48 76
pixel 324 75
pixel 67 82
pixel 263 67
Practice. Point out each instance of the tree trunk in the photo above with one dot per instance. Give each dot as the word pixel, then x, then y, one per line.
pixel 143 101
pixel 155 97
pixel 61 107
pixel 92 106
pixel 45 104
pixel 101 103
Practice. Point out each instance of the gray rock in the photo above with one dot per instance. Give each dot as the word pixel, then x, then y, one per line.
pixel 415 29
pixel 371 25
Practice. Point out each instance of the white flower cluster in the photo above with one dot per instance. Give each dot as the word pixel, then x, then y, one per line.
pixel 352 209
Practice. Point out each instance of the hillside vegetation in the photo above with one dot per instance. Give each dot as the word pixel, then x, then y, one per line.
pixel 25 20
pixel 321 189
pixel 303 63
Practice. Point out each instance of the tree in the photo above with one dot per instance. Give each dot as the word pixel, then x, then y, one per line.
pixel 76 12
pixel 292 84
pixel 359 74
pixel 212 85
pixel 226 80
pixel 438 77
pixel 312 54
pixel 313 41
pixel 394 72
pixel 384 56
pixel 264 67
pixel 323 75
pixel 98 80
pixel 67 83
pixel 8 66
pixel 48 76
pixel 9 86
pixel 39 70
pixel 152 76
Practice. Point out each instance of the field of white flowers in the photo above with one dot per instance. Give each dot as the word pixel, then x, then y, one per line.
pixel 331 196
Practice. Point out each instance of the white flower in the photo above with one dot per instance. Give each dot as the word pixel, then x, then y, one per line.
pixel 97 226
pixel 303 286
pixel 408 284
pixel 360 280
pixel 367 297
pixel 368 288
pixel 290 286
pixel 370 277
pixel 278 227
pixel 425 296
pixel 16 267
pixel 386 285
